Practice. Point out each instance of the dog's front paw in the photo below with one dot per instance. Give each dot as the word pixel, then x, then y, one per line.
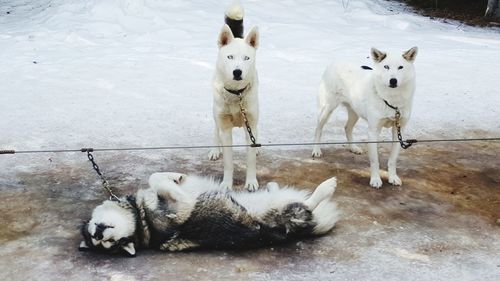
pixel 252 185
pixel 226 185
pixel 395 180
pixel 214 154
pixel 355 149
pixel 376 182
pixel 317 152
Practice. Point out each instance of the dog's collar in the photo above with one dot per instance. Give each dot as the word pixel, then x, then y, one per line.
pixel 391 106
pixel 237 92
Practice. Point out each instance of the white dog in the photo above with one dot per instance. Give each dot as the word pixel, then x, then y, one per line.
pixel 372 94
pixel 235 79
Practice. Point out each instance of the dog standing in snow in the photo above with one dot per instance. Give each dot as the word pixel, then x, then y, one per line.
pixel 180 212
pixel 235 78
pixel 372 94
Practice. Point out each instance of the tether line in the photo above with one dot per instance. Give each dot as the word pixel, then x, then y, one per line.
pixel 237 146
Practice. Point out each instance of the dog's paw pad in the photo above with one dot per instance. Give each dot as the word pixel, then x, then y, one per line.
pixel 376 182
pixel 214 154
pixel 317 153
pixel 395 180
pixel 355 149
pixel 252 185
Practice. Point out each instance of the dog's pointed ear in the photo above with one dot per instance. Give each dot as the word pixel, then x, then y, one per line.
pixel 377 55
pixel 411 54
pixel 83 246
pixel 252 37
pixel 129 248
pixel 225 37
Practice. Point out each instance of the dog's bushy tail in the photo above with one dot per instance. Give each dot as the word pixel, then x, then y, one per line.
pixel 234 19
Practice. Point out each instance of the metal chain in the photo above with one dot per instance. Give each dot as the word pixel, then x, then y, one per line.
pixel 105 183
pixel 404 144
pixel 247 124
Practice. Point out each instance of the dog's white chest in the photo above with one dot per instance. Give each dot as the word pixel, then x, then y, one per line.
pixel 231 116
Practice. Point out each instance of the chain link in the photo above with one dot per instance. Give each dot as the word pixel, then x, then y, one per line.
pixel 404 144
pixel 247 124
pixel 105 183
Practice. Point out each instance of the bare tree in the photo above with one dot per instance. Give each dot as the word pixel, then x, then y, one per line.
pixel 493 9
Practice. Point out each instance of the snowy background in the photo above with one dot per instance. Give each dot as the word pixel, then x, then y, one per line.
pixel 108 73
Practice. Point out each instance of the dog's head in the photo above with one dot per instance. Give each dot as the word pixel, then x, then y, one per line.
pixel 236 62
pixel 394 70
pixel 111 229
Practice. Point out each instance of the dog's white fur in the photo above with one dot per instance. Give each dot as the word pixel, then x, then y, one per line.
pixel 184 189
pixel 235 54
pixel 363 93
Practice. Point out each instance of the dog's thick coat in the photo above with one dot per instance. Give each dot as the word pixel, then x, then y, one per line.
pixel 364 92
pixel 180 212
pixel 235 78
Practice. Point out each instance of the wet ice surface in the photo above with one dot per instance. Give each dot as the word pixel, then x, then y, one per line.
pixel 441 225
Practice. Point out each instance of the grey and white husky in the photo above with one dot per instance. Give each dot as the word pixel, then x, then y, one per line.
pixel 179 212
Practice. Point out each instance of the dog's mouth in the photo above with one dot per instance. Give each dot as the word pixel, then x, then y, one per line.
pixel 393 86
pixel 237 78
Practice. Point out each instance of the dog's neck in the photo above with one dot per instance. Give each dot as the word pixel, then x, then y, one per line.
pixel 394 101
pixel 238 92
pixel 141 233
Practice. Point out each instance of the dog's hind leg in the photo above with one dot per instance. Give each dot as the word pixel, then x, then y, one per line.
pixel 352 118
pixel 324 113
pixel 215 152
pixel 327 101
pixel 322 192
pixel 393 158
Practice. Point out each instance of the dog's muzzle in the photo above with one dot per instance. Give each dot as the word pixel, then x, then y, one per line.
pixel 237 74
pixel 393 83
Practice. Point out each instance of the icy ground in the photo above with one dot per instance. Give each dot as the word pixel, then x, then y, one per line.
pixel 105 73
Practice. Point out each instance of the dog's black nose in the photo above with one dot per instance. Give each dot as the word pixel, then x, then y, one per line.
pixel 237 74
pixel 393 82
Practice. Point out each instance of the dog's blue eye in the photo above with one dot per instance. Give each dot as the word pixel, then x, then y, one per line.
pixel 386 67
pixel 230 57
pixel 247 58
pixel 400 67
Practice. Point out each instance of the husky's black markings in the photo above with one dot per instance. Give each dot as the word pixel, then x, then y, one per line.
pixel 217 221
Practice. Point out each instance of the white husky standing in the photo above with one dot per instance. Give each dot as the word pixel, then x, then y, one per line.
pixel 372 95
pixel 235 78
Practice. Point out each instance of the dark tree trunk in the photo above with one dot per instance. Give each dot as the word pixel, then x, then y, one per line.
pixel 493 9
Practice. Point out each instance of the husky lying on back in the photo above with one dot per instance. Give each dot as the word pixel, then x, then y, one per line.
pixel 179 212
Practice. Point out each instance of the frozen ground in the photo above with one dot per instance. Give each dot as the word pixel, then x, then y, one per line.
pixel 107 73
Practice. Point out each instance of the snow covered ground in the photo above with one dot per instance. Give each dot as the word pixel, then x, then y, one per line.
pixel 105 73
pixel 138 72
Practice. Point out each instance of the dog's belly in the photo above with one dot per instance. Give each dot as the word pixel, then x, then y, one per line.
pixel 231 120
